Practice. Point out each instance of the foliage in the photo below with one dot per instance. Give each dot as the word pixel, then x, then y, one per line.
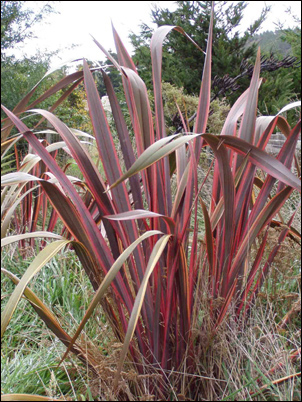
pixel 76 102
pixel 17 21
pixel 64 286
pixel 278 90
pixel 28 349
pixel 19 76
pixel 112 72
pixel 157 274
pixel 30 361
pixel 271 43
pixel 293 37
pixel 174 98
pixel 182 66
pixel 182 61
pixel 283 85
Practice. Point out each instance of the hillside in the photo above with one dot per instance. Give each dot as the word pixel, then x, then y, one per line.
pixel 272 42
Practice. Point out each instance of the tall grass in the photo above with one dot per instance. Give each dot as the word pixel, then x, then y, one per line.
pixel 141 246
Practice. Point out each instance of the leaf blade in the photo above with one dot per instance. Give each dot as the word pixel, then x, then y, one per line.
pixel 155 255
pixel 38 263
pixel 11 239
pixel 106 283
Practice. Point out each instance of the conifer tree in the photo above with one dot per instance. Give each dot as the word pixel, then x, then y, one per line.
pixel 182 62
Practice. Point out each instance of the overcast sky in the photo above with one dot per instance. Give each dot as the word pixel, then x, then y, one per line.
pixel 76 20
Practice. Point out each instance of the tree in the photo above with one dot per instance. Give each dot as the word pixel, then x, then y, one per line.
pixel 19 76
pixel 182 61
pixel 282 86
pixel 293 37
pixel 17 22
pixel 112 72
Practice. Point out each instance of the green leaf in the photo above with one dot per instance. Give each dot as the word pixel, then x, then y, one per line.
pixel 50 320
pixel 42 258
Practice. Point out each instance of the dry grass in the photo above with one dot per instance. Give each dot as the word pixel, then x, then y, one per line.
pixel 239 363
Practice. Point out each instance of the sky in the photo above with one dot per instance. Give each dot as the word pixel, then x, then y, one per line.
pixel 76 21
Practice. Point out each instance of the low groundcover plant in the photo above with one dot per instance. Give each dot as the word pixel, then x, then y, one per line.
pixel 149 258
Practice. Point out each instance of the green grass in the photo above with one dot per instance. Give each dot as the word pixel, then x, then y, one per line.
pixel 30 354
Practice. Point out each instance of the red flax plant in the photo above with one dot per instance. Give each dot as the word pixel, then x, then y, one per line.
pixel 133 236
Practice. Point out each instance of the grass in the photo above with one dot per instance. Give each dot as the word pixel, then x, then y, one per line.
pixel 253 351
pixel 242 357
pixel 231 359
pixel 237 366
pixel 30 354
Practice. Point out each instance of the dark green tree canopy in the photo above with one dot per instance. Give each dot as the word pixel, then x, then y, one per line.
pixel 182 62
pixel 112 72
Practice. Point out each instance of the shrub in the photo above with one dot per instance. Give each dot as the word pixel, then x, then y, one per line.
pixel 137 239
pixel 174 98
